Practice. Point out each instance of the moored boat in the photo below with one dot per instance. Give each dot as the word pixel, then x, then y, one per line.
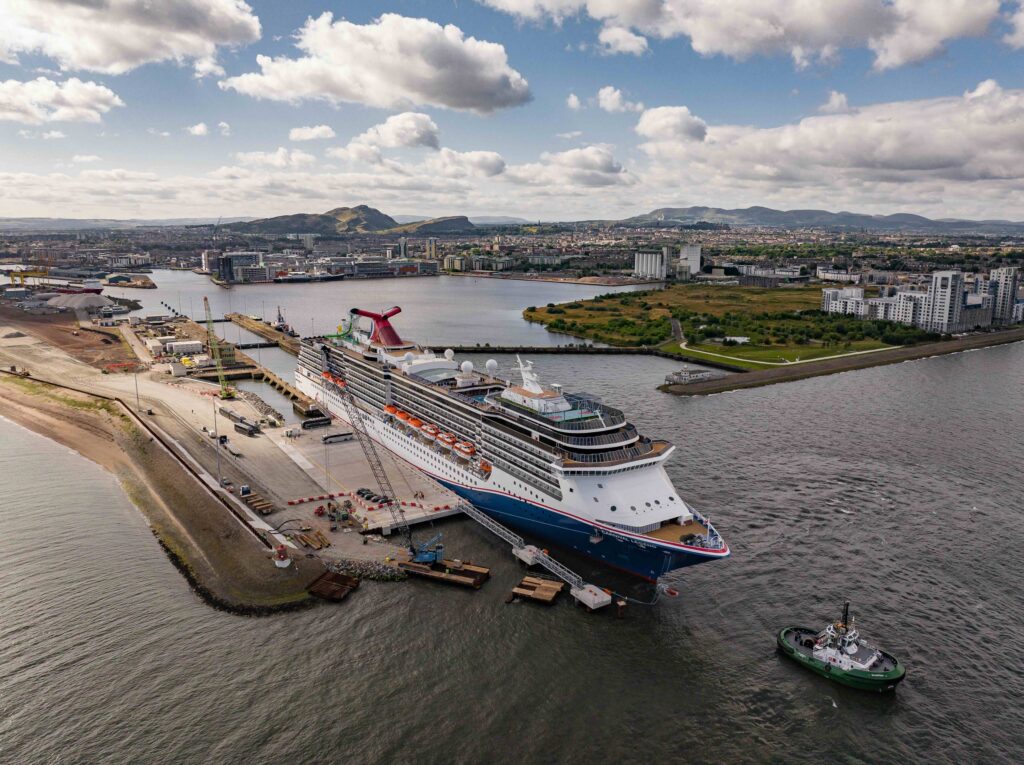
pixel 838 653
pixel 564 467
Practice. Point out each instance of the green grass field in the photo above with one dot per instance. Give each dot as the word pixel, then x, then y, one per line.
pixel 783 325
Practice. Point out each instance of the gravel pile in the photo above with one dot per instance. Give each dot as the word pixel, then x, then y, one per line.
pixel 365 569
pixel 265 409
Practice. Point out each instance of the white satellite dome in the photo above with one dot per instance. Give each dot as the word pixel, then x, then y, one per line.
pixel 449 354
pixel 407 358
pixel 492 366
pixel 467 367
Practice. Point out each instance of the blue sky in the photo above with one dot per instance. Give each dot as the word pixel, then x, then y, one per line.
pixel 866 105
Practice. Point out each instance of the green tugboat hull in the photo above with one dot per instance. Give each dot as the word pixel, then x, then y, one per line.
pixel 865 680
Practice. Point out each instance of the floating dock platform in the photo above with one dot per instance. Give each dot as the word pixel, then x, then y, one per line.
pixel 333 587
pixel 449 571
pixel 539 589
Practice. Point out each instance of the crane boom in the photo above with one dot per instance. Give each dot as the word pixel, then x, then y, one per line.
pixel 225 389
pixel 356 417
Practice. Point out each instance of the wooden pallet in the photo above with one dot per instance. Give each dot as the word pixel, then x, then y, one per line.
pixel 542 590
pixel 259 504
pixel 449 571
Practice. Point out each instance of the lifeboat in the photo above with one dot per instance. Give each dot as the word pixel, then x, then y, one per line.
pixel 414 423
pixel 391 409
pixel 446 439
pixel 403 416
pixel 430 431
pixel 465 449
pixel 485 466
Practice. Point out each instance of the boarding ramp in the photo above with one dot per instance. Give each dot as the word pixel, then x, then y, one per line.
pixel 591 596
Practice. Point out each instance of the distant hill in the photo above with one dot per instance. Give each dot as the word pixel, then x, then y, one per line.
pixel 455 224
pixel 361 219
pixel 497 220
pixel 352 220
pixel 81 224
pixel 340 220
pixel 766 216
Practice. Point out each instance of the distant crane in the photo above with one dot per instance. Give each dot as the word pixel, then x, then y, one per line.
pixel 226 391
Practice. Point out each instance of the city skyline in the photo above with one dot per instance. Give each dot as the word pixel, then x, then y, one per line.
pixel 553 109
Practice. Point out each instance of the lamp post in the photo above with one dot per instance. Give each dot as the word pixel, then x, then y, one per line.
pixel 136 375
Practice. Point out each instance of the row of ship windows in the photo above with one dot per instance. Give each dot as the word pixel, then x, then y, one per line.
pixel 511 469
pixel 440 463
pixel 605 472
pixel 613 508
pixel 494 433
pixel 435 410
pixel 541 473
pixel 440 418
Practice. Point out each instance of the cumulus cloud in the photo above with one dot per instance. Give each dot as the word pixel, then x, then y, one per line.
pixel 225 128
pixel 671 124
pixel 116 36
pixel 1015 37
pixel 406 130
pixel 281 158
pixel 315 133
pixel 836 103
pixel 44 100
pixel 460 164
pixel 199 129
pixel 613 100
pixel 963 153
pixel 84 159
pixel 46 135
pixel 391 62
pixel 897 31
pixel 621 40
pixel 589 166
pixel 573 102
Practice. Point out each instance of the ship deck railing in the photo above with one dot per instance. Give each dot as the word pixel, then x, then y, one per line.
pixel 617 456
pixel 589 414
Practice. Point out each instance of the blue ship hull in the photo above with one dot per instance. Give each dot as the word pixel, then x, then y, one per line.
pixel 643 559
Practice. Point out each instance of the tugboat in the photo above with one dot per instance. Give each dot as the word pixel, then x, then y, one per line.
pixel 838 653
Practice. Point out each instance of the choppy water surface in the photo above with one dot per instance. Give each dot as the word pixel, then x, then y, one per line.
pixel 857 486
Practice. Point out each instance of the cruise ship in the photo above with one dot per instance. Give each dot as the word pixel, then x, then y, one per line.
pixel 551 464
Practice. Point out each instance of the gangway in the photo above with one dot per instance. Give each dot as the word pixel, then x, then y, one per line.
pixel 588 594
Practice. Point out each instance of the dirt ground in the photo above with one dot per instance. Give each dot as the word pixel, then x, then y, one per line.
pixel 96 347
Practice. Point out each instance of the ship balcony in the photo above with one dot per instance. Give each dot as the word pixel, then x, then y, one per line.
pixel 622 437
pixel 645 449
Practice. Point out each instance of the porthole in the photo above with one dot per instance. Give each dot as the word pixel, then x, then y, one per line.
pixel 613 508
